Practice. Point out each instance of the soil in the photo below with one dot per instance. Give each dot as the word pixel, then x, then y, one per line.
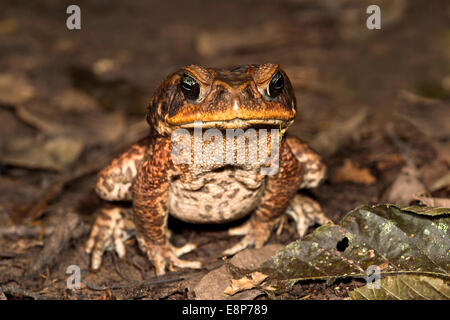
pixel 91 87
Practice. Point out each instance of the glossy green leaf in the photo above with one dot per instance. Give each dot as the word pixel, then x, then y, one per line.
pixel 427 210
pixel 383 236
pixel 405 287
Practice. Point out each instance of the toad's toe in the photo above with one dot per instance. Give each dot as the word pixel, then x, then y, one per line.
pixel 108 233
pixel 241 230
pixel 306 212
pixel 256 234
pixel 167 256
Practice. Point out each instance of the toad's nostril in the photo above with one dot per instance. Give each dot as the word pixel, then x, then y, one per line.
pixel 235 104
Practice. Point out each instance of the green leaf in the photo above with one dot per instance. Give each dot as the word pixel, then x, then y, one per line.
pixel 394 240
pixel 427 210
pixel 405 287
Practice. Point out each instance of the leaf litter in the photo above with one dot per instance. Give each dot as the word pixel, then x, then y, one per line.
pixel 413 240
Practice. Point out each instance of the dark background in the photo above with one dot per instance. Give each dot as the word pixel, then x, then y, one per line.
pixel 370 101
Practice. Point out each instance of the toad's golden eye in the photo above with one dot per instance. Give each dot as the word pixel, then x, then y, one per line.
pixel 189 87
pixel 276 85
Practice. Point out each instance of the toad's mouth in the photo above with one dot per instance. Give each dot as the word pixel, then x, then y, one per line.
pixel 191 117
pixel 237 123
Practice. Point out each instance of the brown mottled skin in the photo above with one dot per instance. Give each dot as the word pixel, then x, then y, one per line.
pixel 146 174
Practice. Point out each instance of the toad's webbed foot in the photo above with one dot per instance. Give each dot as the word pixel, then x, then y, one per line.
pixel 109 232
pixel 114 226
pixel 305 211
pixel 255 232
pixel 167 256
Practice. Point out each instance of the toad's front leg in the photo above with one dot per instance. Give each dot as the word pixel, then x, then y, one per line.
pixel 280 189
pixel 150 191
pixel 112 228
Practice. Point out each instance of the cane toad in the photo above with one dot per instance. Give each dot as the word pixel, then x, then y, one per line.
pixel 202 188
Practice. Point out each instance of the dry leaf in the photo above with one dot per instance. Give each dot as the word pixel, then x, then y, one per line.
pixel 404 187
pixel 351 172
pixel 434 174
pixel 443 182
pixel 245 283
pixel 94 127
pixel 212 285
pixel 428 115
pixel 388 161
pixel 15 89
pixel 75 100
pixel 39 152
pixel 329 141
pixel 433 202
pixel 104 65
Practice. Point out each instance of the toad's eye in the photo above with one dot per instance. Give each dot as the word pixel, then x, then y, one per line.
pixel 190 87
pixel 276 85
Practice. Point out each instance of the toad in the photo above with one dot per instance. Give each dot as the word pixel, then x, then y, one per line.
pixel 237 161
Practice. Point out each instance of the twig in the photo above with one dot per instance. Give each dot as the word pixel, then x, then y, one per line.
pixel 115 260
pixel 8 255
pixel 68 229
pixel 404 149
pixel 134 284
pixel 24 231
pixel 15 291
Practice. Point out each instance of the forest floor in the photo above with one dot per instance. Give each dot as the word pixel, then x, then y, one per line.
pixel 373 103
